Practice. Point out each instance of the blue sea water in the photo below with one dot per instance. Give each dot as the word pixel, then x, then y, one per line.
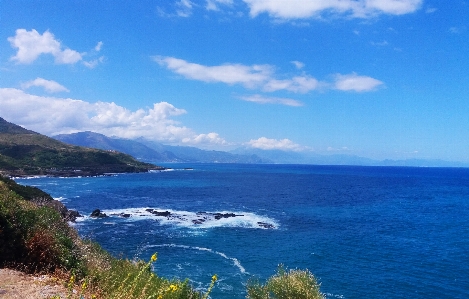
pixel 364 232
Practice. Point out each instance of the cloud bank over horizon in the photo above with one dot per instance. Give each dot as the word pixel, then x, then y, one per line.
pixel 54 115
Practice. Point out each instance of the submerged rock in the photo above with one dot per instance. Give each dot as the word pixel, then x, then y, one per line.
pixel 265 225
pixel 219 216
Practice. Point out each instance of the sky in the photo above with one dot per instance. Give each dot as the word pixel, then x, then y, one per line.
pixel 382 79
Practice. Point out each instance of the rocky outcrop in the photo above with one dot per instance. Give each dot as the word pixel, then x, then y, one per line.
pixel 98 214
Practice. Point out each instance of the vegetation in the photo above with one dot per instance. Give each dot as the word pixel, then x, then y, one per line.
pixel 298 284
pixel 24 152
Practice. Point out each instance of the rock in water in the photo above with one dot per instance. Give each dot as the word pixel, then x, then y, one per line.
pixel 97 214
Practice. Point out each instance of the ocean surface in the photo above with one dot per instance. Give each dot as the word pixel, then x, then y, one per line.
pixel 364 232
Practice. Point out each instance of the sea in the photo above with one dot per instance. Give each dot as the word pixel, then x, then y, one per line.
pixel 364 232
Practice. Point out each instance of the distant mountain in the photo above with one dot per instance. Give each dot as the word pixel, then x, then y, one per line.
pixel 25 152
pixel 130 147
pixel 193 154
pixel 155 152
pixel 283 157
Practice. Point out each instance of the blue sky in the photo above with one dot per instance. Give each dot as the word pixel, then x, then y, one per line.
pixel 374 78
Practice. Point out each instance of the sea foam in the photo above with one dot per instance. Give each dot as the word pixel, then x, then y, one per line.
pixel 194 219
pixel 235 261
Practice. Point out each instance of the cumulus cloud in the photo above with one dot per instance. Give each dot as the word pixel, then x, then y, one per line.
pixel 31 45
pixel 210 138
pixel 275 144
pixel 271 100
pixel 49 85
pixel 354 82
pixel 301 9
pixel 54 115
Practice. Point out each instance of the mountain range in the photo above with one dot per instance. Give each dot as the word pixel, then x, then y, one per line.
pixel 151 151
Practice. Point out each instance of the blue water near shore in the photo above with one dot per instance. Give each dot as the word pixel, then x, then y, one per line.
pixel 365 232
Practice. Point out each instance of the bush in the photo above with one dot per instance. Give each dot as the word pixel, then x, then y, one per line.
pixel 294 284
pixel 35 239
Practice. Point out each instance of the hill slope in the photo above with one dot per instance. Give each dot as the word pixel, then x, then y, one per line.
pixel 24 152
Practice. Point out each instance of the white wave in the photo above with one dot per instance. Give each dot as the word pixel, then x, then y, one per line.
pixel 235 261
pixel 195 219
pixel 334 296
pixel 60 198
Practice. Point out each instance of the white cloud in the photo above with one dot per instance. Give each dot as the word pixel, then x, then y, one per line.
pixel 48 85
pixel 271 100
pixel 300 9
pixel 184 8
pixel 354 82
pixel 274 144
pixel 457 30
pixel 298 84
pixel 31 45
pixel 254 76
pixel 98 46
pixel 53 115
pixel 262 77
pixel 93 63
pixel 380 44
pixel 299 65
pixel 213 4
pixel 210 138
pixel 431 10
pixel 249 76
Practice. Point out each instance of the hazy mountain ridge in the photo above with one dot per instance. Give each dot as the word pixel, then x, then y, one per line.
pixel 156 152
pixel 341 159
pixel 146 150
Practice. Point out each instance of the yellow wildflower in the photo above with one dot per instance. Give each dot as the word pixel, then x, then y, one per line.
pixel 173 287
pixel 214 278
pixel 154 257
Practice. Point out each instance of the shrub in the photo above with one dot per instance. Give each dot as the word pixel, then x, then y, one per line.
pixel 294 284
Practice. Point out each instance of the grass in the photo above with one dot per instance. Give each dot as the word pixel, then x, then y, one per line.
pixel 36 239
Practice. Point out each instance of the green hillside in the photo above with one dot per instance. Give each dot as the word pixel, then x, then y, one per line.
pixel 24 152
